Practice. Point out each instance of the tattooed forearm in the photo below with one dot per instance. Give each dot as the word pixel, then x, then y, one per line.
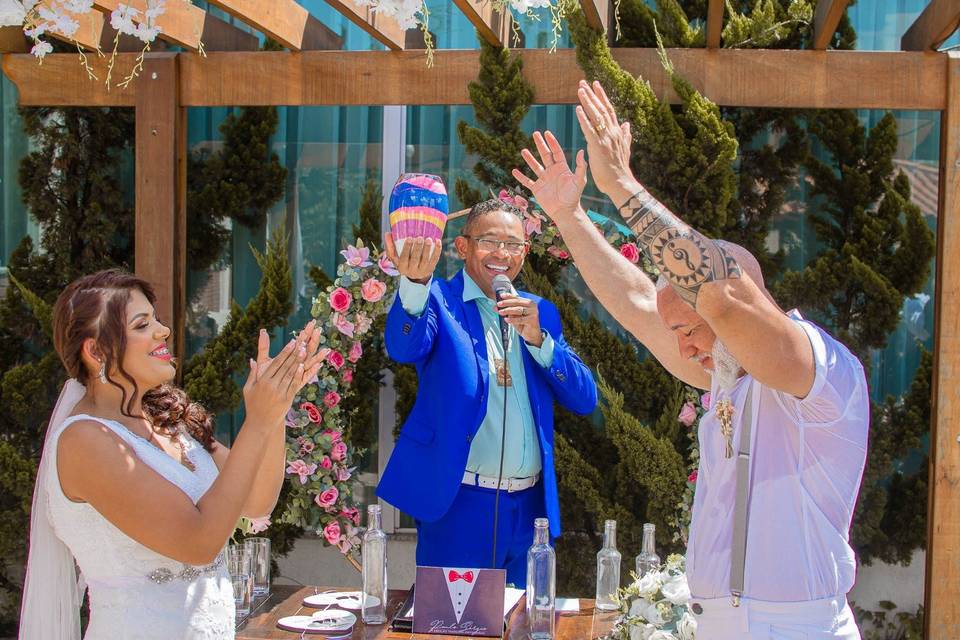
pixel 685 257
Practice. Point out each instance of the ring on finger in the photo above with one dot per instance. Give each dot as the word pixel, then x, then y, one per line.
pixel 600 127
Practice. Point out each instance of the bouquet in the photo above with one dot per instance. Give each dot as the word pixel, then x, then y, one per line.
pixel 656 606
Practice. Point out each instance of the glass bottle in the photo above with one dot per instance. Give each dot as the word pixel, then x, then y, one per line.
pixel 374 555
pixel 608 568
pixel 541 583
pixel 648 560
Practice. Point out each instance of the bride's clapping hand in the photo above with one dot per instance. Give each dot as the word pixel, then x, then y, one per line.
pixel 274 382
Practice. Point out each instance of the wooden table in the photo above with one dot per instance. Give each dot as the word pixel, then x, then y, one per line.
pixel 287 601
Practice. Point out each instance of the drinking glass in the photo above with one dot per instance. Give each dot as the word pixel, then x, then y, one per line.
pixel 259 551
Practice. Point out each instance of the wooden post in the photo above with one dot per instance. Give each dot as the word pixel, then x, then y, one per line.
pixel 160 227
pixel 942 606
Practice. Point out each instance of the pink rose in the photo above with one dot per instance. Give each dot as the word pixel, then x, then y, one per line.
pixel 332 399
pixel 325 463
pixel 372 289
pixel 532 224
pixel 336 359
pixel 259 525
pixel 630 251
pixel 356 351
pixel 347 376
pixel 387 266
pixel 343 325
pixel 688 414
pixel 334 435
pixel 692 478
pixel 557 252
pixel 356 257
pixel 340 299
pixel 339 451
pixel 705 401
pixel 312 412
pixel 353 514
pixel 331 532
pixel 343 474
pixel 328 497
pixel 302 469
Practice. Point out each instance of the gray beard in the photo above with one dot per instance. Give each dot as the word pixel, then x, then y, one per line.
pixel 726 369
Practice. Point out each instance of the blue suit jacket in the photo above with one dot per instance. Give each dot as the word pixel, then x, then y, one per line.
pixel 447 345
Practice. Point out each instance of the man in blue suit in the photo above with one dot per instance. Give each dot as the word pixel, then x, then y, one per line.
pixel 454 446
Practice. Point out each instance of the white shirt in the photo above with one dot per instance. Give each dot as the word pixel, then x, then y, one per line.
pixel 808 459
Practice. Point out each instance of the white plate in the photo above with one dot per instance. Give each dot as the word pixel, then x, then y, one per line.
pixel 329 622
pixel 343 599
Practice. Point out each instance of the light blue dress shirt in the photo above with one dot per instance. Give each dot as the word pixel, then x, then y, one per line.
pixel 521 453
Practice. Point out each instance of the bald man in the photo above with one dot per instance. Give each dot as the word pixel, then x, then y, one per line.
pixel 783 444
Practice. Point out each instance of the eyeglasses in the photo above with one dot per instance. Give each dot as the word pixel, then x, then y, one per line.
pixel 489 244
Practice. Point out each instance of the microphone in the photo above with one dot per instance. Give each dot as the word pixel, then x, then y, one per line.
pixel 502 286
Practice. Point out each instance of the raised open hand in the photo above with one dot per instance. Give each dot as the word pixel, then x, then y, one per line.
pixel 556 188
pixel 608 141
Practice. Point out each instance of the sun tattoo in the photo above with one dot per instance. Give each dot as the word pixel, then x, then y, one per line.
pixel 685 257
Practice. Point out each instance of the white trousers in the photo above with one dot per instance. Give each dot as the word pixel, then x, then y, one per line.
pixel 718 619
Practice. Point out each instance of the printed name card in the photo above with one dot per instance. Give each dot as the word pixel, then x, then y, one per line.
pixel 459 601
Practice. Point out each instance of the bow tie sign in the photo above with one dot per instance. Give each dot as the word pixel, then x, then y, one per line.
pixel 453 576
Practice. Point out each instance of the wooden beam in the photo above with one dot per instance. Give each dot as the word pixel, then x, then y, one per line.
pixel 729 77
pixel 187 25
pixel 13 40
pixel 826 20
pixel 941 607
pixel 283 20
pixel 160 217
pixel 715 10
pixel 493 26
pixel 384 29
pixel 597 13
pixel 940 19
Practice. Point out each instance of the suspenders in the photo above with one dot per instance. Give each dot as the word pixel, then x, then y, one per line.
pixel 738 550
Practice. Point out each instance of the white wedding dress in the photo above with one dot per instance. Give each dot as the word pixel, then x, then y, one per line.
pixel 137 593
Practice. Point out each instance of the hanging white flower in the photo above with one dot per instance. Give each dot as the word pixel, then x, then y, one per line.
pixel 523 6
pixel 78 6
pixel 155 8
pixel 146 33
pixel 12 13
pixel 122 19
pixel 41 48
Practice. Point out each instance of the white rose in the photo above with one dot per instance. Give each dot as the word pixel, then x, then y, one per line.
pixel 676 590
pixel 660 634
pixel 646 610
pixel 641 631
pixel 649 584
pixel 687 627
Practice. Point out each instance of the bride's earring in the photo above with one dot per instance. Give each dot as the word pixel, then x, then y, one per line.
pixel 103 373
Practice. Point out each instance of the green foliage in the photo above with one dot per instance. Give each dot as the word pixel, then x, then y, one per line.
pixel 71 184
pixel 240 181
pixel 884 624
pixel 501 98
pixel 206 376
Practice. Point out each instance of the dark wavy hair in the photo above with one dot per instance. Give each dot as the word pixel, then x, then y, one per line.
pixel 95 306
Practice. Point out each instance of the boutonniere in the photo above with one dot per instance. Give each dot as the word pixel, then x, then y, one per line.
pixel 725 415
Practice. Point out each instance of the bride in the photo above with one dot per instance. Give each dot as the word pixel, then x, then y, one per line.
pixel 132 485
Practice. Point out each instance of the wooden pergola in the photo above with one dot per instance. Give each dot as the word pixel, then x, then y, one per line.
pixel 315 71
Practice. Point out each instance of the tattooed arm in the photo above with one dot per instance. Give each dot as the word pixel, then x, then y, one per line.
pixel 770 346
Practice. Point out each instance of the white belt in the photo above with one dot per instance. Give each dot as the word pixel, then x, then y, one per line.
pixel 510 485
